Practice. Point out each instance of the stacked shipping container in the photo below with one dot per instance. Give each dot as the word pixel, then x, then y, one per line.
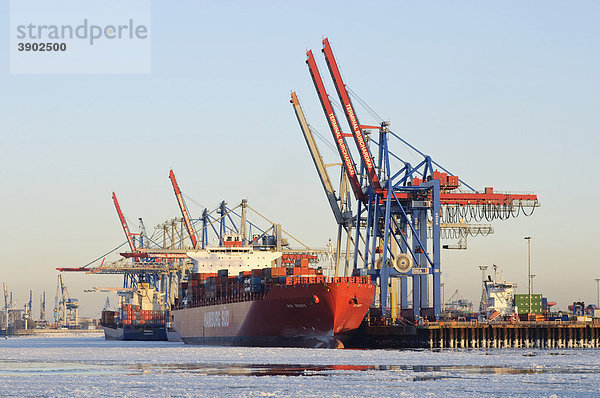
pixel 134 315
pixel 522 303
pixel 210 288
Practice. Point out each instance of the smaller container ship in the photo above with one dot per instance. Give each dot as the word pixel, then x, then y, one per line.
pixel 141 316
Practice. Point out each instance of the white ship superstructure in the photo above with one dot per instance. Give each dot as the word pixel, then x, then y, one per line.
pixel 233 257
pixel 499 295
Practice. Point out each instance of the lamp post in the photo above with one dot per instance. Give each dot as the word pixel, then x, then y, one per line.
pixel 528 238
pixel 532 289
pixel 597 292
pixel 443 286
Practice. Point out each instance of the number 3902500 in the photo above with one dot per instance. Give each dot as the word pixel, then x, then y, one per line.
pixel 42 46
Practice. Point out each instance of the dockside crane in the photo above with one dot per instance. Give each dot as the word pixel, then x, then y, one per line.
pixel 128 235
pixel 59 303
pixel 142 263
pixel 132 279
pixel 334 201
pixel 400 212
pixel 334 126
pixel 357 133
pixel 339 205
pixel 43 307
pixel 144 238
pixel 6 309
pixel 27 314
pixel 66 309
pixel 184 211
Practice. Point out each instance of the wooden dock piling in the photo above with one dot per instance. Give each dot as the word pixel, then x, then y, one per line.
pixel 503 335
pixel 474 335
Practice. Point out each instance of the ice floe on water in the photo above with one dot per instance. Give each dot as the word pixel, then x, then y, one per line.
pixel 93 367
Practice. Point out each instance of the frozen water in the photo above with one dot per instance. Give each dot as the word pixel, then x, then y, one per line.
pixel 93 367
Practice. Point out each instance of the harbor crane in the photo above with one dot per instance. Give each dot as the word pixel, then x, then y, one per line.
pixel 184 210
pixel 27 313
pixel 43 307
pixel 128 234
pixel 11 314
pixel 66 309
pixel 7 306
pixel 399 212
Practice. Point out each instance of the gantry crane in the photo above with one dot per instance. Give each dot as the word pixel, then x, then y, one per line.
pixel 340 206
pixel 7 306
pixel 128 235
pixel 144 238
pixel 334 126
pixel 157 267
pixel 132 279
pixel 184 211
pixel 27 313
pixel 400 212
pixel 357 133
pixel 43 307
pixel 66 308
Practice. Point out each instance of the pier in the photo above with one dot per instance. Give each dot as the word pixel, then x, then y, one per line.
pixel 474 335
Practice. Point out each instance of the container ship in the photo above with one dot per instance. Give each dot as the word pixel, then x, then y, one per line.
pixel 141 316
pixel 237 295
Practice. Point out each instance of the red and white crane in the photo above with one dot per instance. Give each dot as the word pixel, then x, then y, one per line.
pixel 184 210
pixel 124 224
pixel 357 134
pixel 338 136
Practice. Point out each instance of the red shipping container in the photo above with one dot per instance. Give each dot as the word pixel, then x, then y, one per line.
pixel 453 181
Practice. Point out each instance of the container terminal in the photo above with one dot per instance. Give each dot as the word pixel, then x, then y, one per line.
pixel 392 215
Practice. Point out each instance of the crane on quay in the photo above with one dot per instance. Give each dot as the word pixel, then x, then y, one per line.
pixel 164 264
pixel 161 268
pixel 394 224
pixel 66 308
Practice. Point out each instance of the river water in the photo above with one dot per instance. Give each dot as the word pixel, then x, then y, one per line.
pixel 92 367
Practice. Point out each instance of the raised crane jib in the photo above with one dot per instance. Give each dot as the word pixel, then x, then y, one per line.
pixel 184 211
pixel 357 133
pixel 334 126
pixel 124 224
pixel 317 160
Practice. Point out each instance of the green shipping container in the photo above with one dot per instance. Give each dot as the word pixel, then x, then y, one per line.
pixel 522 303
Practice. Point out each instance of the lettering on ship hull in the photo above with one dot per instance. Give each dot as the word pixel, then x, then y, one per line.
pixel 216 319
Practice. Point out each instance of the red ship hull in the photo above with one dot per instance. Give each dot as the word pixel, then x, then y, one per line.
pixel 297 315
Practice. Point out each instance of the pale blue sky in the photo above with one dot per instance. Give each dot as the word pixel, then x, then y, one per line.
pixel 504 94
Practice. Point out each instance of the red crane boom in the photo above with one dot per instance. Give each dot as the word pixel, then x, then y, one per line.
pixel 334 126
pixel 124 223
pixel 184 211
pixel 357 133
